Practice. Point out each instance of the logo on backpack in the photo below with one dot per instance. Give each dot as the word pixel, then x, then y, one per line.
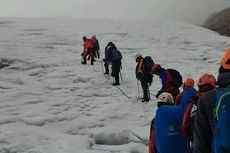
pixel 168 132
pixel 176 77
pixel 222 121
pixel 116 55
pixel 148 62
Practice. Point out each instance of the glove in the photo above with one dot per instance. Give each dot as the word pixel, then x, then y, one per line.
pixel 81 54
pixel 158 94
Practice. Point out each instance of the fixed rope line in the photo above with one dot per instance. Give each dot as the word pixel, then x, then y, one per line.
pixel 123 92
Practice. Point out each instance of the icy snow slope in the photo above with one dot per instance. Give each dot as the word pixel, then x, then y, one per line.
pixel 50 103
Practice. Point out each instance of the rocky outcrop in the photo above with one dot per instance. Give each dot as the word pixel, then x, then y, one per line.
pixel 219 22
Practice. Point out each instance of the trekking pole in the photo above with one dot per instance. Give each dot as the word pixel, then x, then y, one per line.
pixel 121 76
pixel 102 67
pixel 107 77
pixel 138 92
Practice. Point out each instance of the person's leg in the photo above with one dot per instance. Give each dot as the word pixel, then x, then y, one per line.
pixel 91 54
pixel 84 58
pixel 98 54
pixel 145 88
pixel 116 71
pixel 106 67
pixel 92 58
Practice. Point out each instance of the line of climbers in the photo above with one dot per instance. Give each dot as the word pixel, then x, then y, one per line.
pixel 190 121
pixel 91 48
pixel 194 121
pixel 112 56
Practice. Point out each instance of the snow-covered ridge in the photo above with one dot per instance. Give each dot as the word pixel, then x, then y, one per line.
pixel 49 102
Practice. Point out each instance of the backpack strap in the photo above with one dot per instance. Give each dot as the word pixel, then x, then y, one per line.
pixel 219 98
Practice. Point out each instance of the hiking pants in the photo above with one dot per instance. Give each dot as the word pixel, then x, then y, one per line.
pixel 106 67
pixel 116 67
pixel 145 88
pixel 90 52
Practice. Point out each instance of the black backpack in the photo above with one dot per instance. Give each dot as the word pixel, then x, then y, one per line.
pixel 148 62
pixel 176 77
pixel 116 55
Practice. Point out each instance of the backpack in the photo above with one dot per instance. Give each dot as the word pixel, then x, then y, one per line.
pixel 177 80
pixel 148 62
pixel 168 131
pixel 222 121
pixel 116 55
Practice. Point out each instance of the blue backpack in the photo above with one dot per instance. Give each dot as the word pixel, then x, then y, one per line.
pixel 222 121
pixel 168 133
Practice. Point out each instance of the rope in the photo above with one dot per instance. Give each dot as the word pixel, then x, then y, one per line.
pixel 138 90
pixel 123 92
pixel 142 140
pixel 121 76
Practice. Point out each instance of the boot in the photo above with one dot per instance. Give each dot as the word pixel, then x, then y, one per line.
pixel 116 84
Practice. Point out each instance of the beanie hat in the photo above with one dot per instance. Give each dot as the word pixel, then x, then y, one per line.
pixel 225 62
pixel 165 98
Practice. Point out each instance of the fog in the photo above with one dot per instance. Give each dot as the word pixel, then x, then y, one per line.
pixel 193 11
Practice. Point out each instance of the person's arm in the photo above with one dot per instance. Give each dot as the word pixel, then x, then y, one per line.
pixel 98 46
pixel 186 125
pixel 163 77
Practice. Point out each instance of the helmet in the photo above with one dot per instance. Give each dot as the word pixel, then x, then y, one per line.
pixel 155 68
pixel 165 97
pixel 225 62
pixel 189 82
pixel 84 38
pixel 207 79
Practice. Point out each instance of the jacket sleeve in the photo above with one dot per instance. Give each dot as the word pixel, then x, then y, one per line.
pixel 98 46
pixel 84 48
pixel 152 144
pixel 202 129
pixel 178 99
pixel 186 122
pixel 163 77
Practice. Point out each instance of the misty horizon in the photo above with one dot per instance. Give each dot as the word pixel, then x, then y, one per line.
pixel 195 12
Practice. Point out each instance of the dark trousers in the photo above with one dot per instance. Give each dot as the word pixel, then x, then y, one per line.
pixel 116 68
pixel 90 52
pixel 106 67
pixel 145 88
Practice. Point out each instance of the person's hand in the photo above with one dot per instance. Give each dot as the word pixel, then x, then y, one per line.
pixel 158 94
pixel 139 75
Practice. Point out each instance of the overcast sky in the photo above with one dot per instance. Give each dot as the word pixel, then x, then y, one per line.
pixel 194 11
